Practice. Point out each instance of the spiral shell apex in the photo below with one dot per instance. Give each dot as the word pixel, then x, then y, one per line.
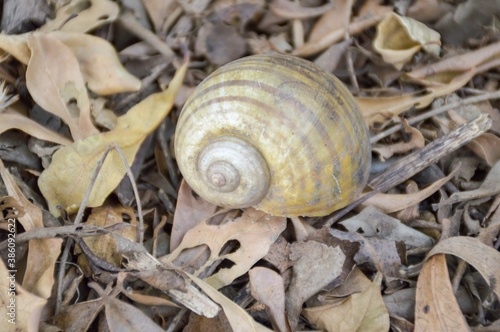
pixel 274 132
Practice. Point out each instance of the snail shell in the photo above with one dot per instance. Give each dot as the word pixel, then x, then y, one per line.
pixel 274 132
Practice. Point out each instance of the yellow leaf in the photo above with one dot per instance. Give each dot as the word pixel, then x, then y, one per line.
pixel 55 82
pixel 66 180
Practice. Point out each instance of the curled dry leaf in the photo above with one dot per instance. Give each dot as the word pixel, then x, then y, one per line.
pixel 372 222
pixel 436 308
pixel 316 265
pixel 447 70
pixel 400 38
pixel 26 312
pixel 66 180
pixel 42 253
pixel 377 109
pixel 268 287
pixel 485 259
pixel 254 233
pixel 390 203
pixel 490 187
pixel 83 16
pixel 55 82
pixel 363 311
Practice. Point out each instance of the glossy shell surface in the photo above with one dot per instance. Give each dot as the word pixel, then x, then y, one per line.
pixel 312 143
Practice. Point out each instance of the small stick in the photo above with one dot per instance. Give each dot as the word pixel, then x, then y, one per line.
pixel 427 115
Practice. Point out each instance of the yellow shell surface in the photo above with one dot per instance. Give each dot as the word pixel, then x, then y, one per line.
pixel 303 121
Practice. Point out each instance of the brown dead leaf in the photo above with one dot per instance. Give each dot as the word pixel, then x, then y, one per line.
pixel 66 180
pixel 268 287
pixel 293 10
pixel 191 209
pixel 373 223
pixel 19 310
pixel 54 81
pixel 106 246
pixel 83 16
pixel 333 19
pixel 220 43
pixel 448 69
pixel 363 311
pixel 377 109
pixel 382 254
pixel 239 319
pixel 316 265
pixel 42 253
pixel 78 317
pixel 417 141
pixel 253 232
pixel 390 203
pixel 400 38
pixel 490 187
pixel 359 24
pixel 436 308
pixel 122 316
pixel 484 258
pixel 486 146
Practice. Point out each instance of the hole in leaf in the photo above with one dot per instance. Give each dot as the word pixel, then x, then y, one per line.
pixel 230 247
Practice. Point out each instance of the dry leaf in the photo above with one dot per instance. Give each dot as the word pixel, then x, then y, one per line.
pixel 490 187
pixel 383 254
pixel 254 233
pixel 239 319
pixel 399 38
pixel 100 66
pixel 333 19
pixel 191 209
pixel 42 253
pixel 78 317
pixel 83 16
pixel 316 266
pixel 417 141
pixel 106 246
pixel 372 222
pixel 363 311
pixel 54 81
pixel 485 259
pixel 10 119
pixel 20 311
pixel 436 307
pixel 268 287
pixel 390 203
pixel 293 10
pixel 447 70
pixel 66 180
pixel 377 109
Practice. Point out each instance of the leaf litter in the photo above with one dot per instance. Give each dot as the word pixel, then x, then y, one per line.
pixel 417 251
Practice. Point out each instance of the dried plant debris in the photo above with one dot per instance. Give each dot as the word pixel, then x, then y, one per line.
pixel 99 232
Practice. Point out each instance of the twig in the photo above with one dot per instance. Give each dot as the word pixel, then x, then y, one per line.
pixel 427 115
pixel 130 175
pixel 410 165
pixel 130 23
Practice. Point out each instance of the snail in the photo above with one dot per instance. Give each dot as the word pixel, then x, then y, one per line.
pixel 274 132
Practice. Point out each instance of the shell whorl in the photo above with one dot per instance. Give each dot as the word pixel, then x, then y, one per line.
pixel 235 171
pixel 299 121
